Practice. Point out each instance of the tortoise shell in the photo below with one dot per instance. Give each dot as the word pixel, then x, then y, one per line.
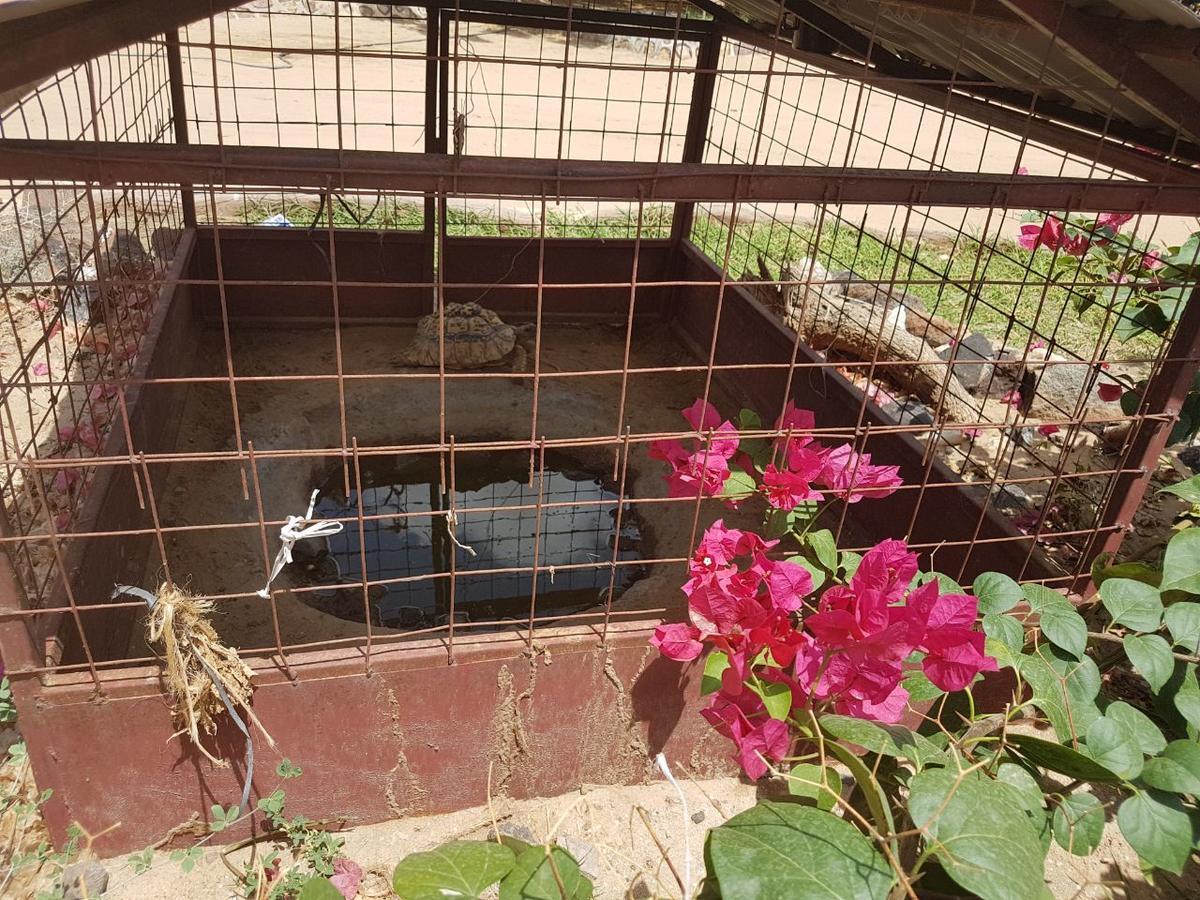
pixel 475 336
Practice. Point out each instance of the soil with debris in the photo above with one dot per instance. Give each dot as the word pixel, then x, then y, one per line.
pixel 601 826
pixel 306 414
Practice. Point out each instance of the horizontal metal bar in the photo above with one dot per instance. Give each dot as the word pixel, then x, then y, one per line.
pixel 109 163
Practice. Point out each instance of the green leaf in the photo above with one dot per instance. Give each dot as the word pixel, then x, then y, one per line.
pixel 319 888
pixel 1187 696
pixel 1181 562
pixel 532 878
pixel 980 831
pixel 872 791
pixel 805 780
pixel 1031 797
pixel 997 593
pixel 1183 621
pixel 1114 746
pixel 888 740
pixel 1065 689
pixel 1151 657
pixel 1061 758
pixel 946 584
pixel 455 869
pixel 784 851
pixel 776 697
pixel 1188 490
pixel 1038 596
pixel 823 547
pixel 1078 823
pixel 1132 604
pixel 1006 629
pixel 849 562
pixel 738 486
pixel 1064 627
pixel 1159 828
pixel 1177 770
pixel 919 687
pixel 1148 735
pixel 714 664
pixel 1136 571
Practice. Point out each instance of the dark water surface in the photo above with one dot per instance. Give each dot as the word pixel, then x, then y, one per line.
pixel 578 526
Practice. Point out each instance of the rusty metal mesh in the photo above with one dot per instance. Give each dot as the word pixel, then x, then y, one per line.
pixel 187 358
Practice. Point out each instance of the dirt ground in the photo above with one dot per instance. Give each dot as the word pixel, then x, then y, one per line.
pixel 602 827
pixel 291 415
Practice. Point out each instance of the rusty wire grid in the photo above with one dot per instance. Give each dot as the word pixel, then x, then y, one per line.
pixel 196 343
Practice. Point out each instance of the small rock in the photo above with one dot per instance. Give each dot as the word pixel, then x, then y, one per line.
pixel 909 412
pixel 698 817
pixel 973 357
pixel 86 880
pixel 518 831
pixel 1011 498
pixel 585 854
pixel 1190 457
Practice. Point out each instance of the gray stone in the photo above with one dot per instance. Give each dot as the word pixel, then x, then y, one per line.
pixel 1011 498
pixel 973 357
pixel 698 817
pixel 84 880
pixel 1190 457
pixel 1061 386
pixel 908 412
pixel 585 854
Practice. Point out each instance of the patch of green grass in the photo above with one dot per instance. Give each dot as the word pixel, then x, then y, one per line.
pixel 994 287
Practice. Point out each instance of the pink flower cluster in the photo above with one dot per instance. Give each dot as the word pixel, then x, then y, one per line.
pixel 847 653
pixel 704 469
pixel 799 468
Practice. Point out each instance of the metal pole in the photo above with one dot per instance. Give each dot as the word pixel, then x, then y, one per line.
pixel 179 120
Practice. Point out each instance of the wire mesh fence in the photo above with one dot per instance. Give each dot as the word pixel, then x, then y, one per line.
pixel 192 348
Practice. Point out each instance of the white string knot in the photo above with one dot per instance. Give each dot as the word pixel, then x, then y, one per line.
pixel 297 528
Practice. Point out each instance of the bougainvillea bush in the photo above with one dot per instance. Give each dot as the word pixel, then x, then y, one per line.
pixel 1143 288
pixel 853 680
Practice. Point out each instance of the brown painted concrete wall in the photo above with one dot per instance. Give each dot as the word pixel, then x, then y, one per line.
pixel 416 736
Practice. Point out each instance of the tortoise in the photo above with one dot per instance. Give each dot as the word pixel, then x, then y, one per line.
pixel 475 336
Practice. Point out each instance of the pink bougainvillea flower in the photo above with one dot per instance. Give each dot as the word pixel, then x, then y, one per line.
pixel 702 416
pixel 1047 430
pixel 787 490
pixel 1051 234
pixel 1109 392
pixel 1012 398
pixel 669 451
pixel 1037 344
pixel 1118 277
pixel 1113 220
pixel 1023 170
pixel 942 627
pixel 347 876
pixel 701 473
pixel 65 479
pixel 788 583
pixel 972 432
pixel 678 641
pixel 754 740
pixel 852 476
pixel 1152 260
pixel 62 522
pixel 40 368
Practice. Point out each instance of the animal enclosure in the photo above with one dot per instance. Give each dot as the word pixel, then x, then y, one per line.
pixel 448 272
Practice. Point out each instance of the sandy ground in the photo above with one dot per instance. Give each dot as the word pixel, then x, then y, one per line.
pixel 513 108
pixel 603 828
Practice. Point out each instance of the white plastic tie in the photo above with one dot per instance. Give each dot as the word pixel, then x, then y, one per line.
pixel 687 820
pixel 298 528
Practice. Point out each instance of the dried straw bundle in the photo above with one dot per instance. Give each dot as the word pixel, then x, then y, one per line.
pixel 195 659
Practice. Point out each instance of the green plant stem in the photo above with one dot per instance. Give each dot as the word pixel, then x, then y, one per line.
pixel 1120 639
